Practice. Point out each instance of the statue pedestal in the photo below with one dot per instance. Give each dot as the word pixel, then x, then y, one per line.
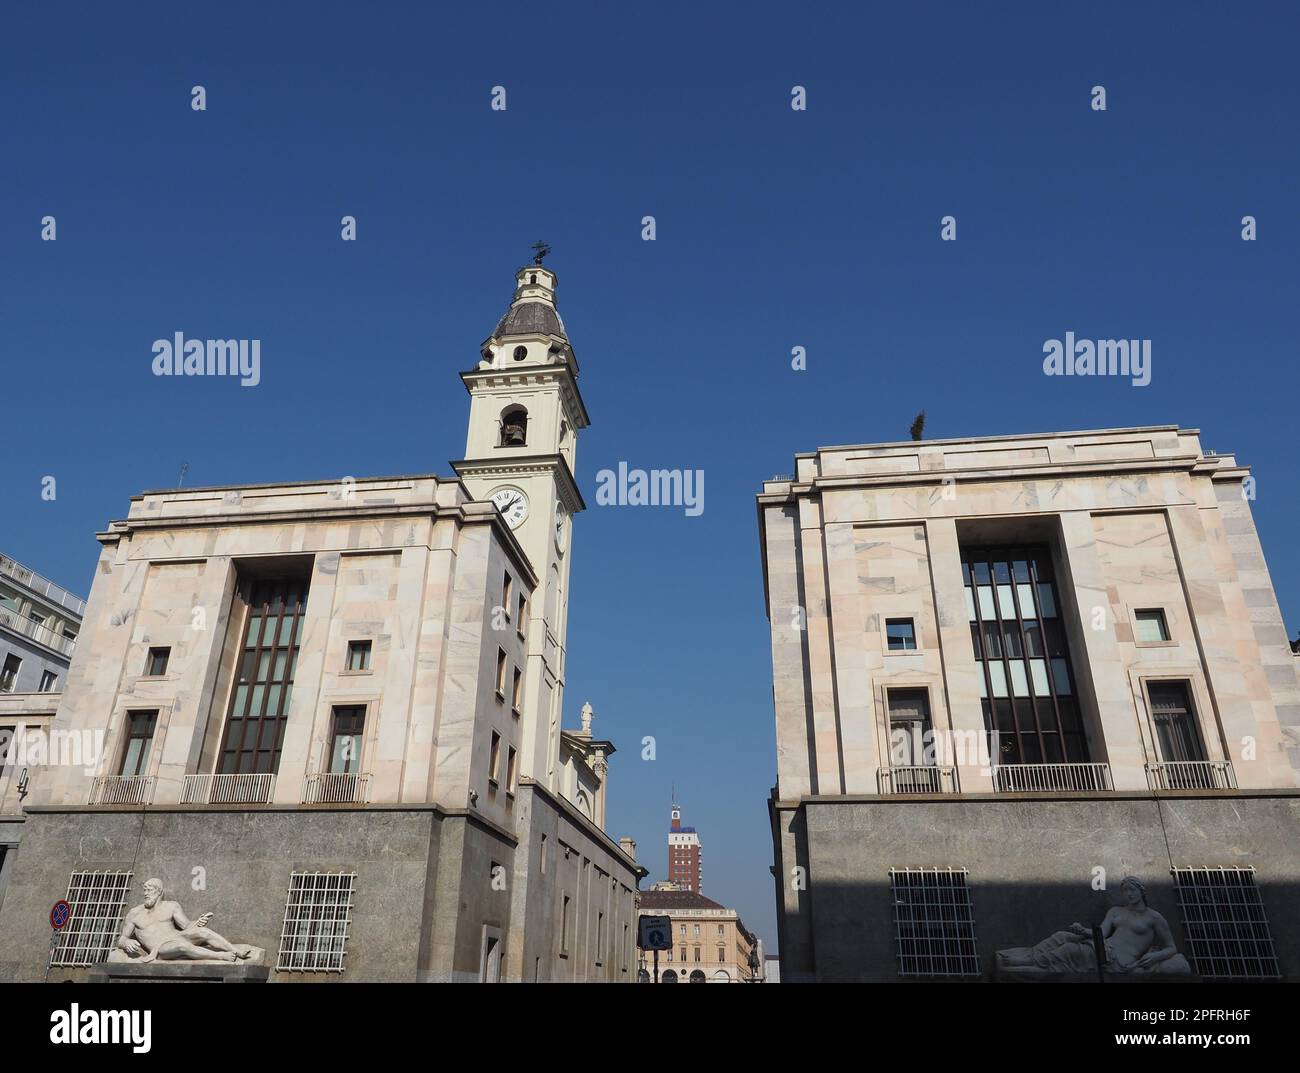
pixel 179 972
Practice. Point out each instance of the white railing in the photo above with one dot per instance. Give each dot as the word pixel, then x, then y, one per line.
pixel 227 789
pixel 122 790
pixel 44 586
pixel 1192 775
pixel 38 633
pixel 917 779
pixel 1036 778
pixel 335 788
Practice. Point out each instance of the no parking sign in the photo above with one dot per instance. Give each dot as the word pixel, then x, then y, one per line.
pixel 60 914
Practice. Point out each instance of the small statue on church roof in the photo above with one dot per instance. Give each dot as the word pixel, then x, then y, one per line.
pixel 586 719
pixel 541 250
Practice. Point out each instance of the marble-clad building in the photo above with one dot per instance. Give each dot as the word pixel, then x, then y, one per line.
pixel 1009 671
pixel 351 685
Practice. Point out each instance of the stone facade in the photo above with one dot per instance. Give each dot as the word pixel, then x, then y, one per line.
pixel 1146 543
pixel 362 676
pixel 710 942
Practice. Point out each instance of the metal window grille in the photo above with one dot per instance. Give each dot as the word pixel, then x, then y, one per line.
pixel 1227 930
pixel 934 927
pixel 316 918
pixel 97 900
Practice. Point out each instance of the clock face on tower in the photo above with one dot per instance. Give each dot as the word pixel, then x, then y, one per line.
pixel 512 503
pixel 561 525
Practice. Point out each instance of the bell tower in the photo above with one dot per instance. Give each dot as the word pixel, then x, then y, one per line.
pixel 525 414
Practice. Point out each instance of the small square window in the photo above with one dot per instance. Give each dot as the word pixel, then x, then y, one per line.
pixel 901 634
pixel 156 665
pixel 358 655
pixel 48 681
pixel 1151 626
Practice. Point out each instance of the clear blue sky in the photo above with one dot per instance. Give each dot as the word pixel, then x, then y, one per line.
pixel 775 229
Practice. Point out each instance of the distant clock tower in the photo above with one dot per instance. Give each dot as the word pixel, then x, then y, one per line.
pixel 524 417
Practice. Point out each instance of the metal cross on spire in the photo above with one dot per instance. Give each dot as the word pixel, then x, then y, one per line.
pixel 542 249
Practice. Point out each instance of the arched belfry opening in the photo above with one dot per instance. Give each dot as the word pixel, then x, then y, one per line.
pixel 514 427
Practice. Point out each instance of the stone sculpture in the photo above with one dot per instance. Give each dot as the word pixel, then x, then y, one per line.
pixel 158 930
pixel 1136 939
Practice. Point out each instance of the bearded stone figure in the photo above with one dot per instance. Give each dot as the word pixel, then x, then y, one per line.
pixel 158 930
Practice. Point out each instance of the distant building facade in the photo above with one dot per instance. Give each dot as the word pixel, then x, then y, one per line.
pixel 342 701
pixel 39 623
pixel 1007 672
pixel 710 942
pixel 685 868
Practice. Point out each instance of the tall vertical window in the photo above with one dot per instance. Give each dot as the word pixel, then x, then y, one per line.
pixel 9 673
pixel 507 589
pixel 517 692
pixel 48 681
pixel 909 728
pixel 1019 641
pixel 1172 713
pixel 259 703
pixel 494 757
pixel 139 737
pixel 345 739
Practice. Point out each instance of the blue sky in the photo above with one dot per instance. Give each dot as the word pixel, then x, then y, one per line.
pixel 775 229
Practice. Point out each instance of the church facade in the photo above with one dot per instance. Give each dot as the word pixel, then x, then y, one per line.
pixel 1011 673
pixel 330 712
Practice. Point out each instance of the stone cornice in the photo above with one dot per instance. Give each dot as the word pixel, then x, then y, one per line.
pixel 507 465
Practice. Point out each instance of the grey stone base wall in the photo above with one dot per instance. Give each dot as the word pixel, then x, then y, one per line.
pixel 424 897
pixel 1032 867
pixel 243 859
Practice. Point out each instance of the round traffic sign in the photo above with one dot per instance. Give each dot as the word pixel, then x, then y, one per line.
pixel 60 914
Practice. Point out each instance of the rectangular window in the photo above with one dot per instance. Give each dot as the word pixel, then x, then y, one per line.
pixel 48 681
pixel 501 673
pixel 1151 626
pixel 1177 734
pixel 934 928
pixel 600 936
pixel 345 739
pixel 317 913
pixel 510 770
pixel 259 701
pixel 358 655
pixel 98 900
pixel 901 634
pixel 507 591
pixel 9 673
pixel 155 665
pixel 1227 930
pixel 564 928
pixel 517 692
pixel 139 738
pixel 1019 642
pixel 910 735
pixel 697 953
pixel 523 615
pixel 494 756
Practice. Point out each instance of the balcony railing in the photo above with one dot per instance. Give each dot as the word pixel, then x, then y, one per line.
pixel 38 633
pixel 1192 775
pixel 919 779
pixel 334 788
pixel 122 790
pixel 43 586
pixel 1039 778
pixel 227 789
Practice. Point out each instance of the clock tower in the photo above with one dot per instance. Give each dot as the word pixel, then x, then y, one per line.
pixel 524 417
